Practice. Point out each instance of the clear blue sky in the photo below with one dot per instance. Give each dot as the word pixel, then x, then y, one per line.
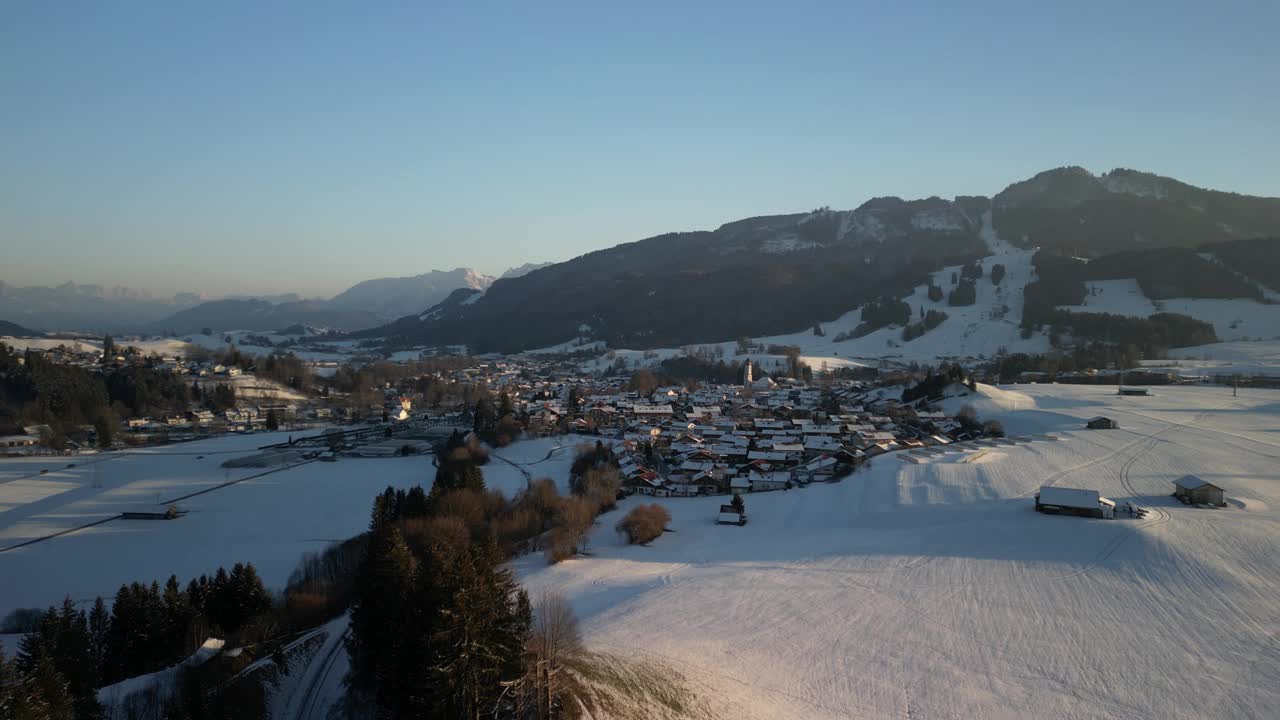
pixel 233 148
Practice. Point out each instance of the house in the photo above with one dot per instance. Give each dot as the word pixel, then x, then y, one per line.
pixel 730 516
pixel 771 480
pixel 822 466
pixel 1102 423
pixel 1196 491
pixel 18 441
pixel 1074 501
pixel 739 485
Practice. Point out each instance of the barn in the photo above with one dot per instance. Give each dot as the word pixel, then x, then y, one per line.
pixel 1192 489
pixel 1102 423
pixel 1074 501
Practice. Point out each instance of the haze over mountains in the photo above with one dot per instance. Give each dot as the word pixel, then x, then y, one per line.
pixel 93 308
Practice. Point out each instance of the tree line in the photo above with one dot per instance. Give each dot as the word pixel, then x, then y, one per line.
pixel 69 653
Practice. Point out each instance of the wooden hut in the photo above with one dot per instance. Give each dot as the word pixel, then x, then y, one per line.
pixel 1198 492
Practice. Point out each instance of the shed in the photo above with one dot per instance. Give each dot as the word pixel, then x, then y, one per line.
pixel 1074 501
pixel 1198 491
pixel 730 516
pixel 1102 423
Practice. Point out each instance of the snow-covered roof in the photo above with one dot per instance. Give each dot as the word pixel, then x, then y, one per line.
pixel 1191 482
pixel 1072 497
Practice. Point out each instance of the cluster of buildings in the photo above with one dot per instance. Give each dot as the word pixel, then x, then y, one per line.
pixel 723 439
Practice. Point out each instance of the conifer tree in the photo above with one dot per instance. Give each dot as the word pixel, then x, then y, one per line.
pixel 99 628
pixel 383 587
pixel 479 640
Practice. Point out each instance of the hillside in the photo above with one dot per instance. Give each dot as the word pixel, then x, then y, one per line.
pixel 777 275
pixel 754 275
pixel 15 330
pixel 1072 210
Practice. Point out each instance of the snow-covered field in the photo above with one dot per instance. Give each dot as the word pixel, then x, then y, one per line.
pixel 907 590
pixel 270 520
pixel 510 468
pixel 934 590
pixel 1256 357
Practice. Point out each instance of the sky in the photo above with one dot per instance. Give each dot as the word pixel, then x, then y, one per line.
pixel 278 147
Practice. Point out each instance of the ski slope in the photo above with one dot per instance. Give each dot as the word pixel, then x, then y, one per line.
pixel 933 590
pixel 1233 319
pixel 981 330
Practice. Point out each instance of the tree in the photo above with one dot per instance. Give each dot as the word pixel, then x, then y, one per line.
pixel 997 273
pixel 554 644
pixel 477 635
pixel 644 523
pixel 62 639
pixel 739 506
pixel 383 588
pixel 643 382
pixel 99 627
pixel 108 348
pixel 486 417
pixel 105 428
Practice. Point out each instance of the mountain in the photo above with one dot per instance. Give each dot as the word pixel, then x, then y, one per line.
pixel 755 276
pixel 779 274
pixel 263 316
pixel 91 308
pixel 1072 210
pixel 8 329
pixel 390 298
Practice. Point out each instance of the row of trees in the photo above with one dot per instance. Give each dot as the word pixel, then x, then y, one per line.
pixel 70 653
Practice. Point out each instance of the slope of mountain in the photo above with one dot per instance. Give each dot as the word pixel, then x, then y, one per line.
pixel 15 330
pixel 781 274
pixel 260 315
pixel 1072 210
pixel 390 298
pixel 764 274
pixel 91 308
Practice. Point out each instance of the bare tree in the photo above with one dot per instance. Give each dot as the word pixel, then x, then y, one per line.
pixel 554 642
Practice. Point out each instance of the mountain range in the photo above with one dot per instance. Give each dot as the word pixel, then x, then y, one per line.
pixel 777 274
pixel 757 276
pixel 97 309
